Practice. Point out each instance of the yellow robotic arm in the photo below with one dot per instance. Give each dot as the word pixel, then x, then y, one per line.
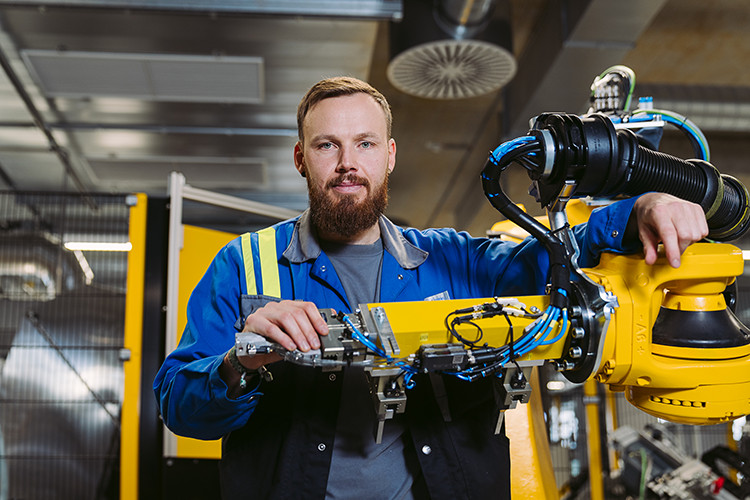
pixel 674 346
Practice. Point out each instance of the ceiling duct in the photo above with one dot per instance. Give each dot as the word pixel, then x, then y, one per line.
pixel 451 49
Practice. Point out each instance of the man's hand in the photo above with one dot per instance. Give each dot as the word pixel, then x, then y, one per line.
pixel 292 324
pixel 674 222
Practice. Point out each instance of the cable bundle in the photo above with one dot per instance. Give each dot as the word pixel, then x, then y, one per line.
pixel 490 360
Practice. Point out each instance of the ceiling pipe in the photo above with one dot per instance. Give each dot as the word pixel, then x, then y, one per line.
pixel 463 18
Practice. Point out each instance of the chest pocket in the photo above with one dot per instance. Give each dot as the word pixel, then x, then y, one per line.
pixel 261 271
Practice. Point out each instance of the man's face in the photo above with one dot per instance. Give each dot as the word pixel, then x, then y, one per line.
pixel 346 158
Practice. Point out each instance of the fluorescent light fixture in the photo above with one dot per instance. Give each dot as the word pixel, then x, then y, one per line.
pixel 95 246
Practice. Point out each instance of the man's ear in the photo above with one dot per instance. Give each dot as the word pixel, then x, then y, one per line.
pixel 299 159
pixel 391 155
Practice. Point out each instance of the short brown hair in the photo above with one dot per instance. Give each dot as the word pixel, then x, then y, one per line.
pixel 338 86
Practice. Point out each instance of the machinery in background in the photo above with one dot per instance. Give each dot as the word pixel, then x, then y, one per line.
pixel 664 336
pixel 655 468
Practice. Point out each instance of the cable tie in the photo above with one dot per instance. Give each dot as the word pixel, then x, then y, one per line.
pixel 514 312
pixel 536 322
pixel 510 301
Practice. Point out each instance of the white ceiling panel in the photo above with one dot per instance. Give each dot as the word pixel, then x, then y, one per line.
pixel 157 77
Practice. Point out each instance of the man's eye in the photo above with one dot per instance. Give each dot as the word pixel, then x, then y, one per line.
pixel 326 145
pixel 366 144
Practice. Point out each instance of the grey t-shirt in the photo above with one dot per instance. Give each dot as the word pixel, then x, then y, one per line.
pixel 358 268
pixel 360 468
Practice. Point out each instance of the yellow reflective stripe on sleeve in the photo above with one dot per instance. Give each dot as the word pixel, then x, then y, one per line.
pixel 269 266
pixel 247 258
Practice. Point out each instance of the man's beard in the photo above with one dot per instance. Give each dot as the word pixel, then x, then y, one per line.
pixel 342 215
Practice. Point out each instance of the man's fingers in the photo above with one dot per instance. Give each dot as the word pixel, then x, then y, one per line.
pixel 675 223
pixel 672 246
pixel 270 327
pixel 292 324
pixel 282 324
pixel 310 324
pixel 686 225
pixel 650 243
pixel 317 321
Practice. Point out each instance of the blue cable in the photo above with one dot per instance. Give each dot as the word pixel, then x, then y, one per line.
pixel 509 146
pixel 408 382
pixel 549 327
pixel 529 342
pixel 551 315
pixel 544 328
pixel 695 133
pixel 409 371
pixel 365 341
pixel 543 339
pixel 563 329
pixel 682 122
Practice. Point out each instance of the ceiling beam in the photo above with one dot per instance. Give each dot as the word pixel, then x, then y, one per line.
pixel 571 45
pixel 363 9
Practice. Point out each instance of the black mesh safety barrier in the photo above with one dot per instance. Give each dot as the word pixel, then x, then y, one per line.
pixel 62 311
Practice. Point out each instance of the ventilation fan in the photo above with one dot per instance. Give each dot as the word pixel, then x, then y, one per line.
pixel 451 50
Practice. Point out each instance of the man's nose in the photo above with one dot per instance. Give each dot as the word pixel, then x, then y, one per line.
pixel 346 160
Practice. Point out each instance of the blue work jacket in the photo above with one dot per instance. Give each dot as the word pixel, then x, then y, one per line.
pixel 279 436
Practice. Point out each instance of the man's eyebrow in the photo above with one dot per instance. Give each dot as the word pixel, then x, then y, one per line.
pixel 334 138
pixel 367 135
pixel 322 137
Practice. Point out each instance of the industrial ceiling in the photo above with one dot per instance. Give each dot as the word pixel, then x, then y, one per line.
pixel 110 96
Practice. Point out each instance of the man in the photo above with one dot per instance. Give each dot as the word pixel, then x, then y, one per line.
pixel 309 434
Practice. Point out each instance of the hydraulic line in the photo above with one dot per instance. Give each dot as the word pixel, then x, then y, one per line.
pixel 605 162
pixel 724 200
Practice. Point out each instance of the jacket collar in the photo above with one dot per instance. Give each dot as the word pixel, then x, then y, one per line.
pixel 304 245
